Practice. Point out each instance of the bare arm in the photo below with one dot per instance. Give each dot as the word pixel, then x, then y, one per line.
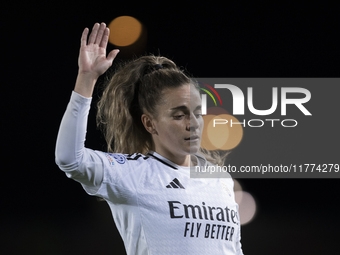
pixel 93 61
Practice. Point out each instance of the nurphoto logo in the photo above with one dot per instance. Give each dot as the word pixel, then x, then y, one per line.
pixel 227 105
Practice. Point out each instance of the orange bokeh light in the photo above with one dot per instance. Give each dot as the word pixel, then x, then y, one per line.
pixel 221 136
pixel 124 30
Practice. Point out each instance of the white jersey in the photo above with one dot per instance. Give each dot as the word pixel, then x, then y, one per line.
pixel 156 206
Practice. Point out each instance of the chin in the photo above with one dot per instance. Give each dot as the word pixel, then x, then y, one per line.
pixel 194 149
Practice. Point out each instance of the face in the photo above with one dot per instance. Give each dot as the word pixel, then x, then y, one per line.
pixel 178 125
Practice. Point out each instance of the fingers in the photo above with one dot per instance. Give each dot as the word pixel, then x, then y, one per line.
pixel 112 55
pixel 94 33
pixel 100 33
pixel 84 37
pixel 105 38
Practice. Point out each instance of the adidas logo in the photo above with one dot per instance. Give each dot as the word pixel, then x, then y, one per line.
pixel 175 184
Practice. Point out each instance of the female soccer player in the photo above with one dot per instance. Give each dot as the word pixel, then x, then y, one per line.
pixel 150 113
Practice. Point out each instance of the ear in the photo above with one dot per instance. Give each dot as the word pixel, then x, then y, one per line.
pixel 147 121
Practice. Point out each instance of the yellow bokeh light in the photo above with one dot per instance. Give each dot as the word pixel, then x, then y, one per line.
pixel 216 111
pixel 221 136
pixel 124 30
pixel 218 134
pixel 205 141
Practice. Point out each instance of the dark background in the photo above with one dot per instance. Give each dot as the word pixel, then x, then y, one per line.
pixel 46 213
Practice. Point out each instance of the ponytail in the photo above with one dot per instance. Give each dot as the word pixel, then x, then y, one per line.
pixel 135 87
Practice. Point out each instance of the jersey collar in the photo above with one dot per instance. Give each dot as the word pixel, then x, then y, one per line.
pixel 200 159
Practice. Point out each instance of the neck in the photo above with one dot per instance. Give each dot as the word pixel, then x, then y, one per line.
pixel 180 160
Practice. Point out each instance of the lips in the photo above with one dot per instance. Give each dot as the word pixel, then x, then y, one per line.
pixel 193 137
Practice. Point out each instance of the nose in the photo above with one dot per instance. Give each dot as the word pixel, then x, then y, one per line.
pixel 193 123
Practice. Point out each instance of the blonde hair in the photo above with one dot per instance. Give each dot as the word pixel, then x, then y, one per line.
pixel 136 87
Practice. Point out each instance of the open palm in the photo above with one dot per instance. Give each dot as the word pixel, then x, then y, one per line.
pixel 92 55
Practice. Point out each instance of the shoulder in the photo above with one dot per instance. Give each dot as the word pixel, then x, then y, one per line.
pixel 124 171
pixel 121 159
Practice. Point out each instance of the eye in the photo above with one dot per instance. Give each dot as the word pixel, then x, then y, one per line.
pixel 178 117
pixel 197 114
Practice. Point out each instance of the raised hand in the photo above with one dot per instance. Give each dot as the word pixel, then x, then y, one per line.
pixel 93 61
pixel 92 55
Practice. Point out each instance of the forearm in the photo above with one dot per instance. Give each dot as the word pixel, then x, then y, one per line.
pixel 85 84
pixel 71 137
